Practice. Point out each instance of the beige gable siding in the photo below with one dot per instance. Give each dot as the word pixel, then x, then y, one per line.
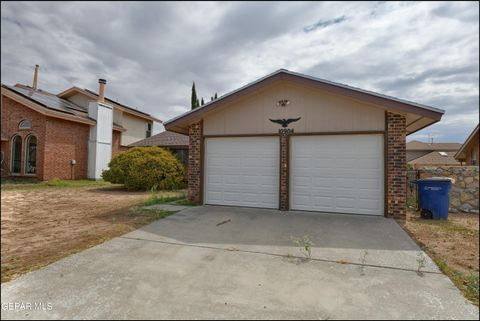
pixel 80 100
pixel 136 129
pixel 319 112
pixel 117 116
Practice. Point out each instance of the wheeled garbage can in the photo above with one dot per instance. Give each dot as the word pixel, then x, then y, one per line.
pixel 434 197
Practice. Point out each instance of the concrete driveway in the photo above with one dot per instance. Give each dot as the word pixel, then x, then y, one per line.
pixel 238 263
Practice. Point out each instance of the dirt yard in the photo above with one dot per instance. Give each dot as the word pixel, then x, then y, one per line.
pixel 40 226
pixel 454 246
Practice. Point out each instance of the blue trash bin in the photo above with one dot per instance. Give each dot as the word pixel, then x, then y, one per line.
pixel 434 197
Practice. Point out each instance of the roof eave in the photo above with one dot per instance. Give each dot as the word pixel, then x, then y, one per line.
pixel 460 153
pixel 42 109
pixel 181 122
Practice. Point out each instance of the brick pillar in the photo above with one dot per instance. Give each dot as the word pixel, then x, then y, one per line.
pixel 396 166
pixel 195 132
pixel 284 160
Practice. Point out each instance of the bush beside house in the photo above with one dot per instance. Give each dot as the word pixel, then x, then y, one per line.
pixel 144 168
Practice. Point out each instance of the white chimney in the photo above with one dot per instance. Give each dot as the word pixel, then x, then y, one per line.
pixel 100 141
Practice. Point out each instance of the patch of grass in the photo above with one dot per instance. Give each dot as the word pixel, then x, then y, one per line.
pixel 163 198
pixel 149 215
pixel 446 226
pixel 13 270
pixel 467 283
pixel 185 203
pixel 55 183
pixel 16 182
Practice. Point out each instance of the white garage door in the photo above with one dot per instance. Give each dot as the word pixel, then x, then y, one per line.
pixel 242 171
pixel 338 173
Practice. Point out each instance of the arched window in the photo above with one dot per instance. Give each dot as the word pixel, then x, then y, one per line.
pixel 16 154
pixel 31 155
pixel 25 124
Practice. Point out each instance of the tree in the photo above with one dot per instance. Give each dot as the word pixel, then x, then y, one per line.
pixel 194 99
pixel 198 103
pixel 215 96
pixel 211 98
pixel 203 103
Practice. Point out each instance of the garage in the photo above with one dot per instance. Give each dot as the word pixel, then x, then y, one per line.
pixel 242 171
pixel 291 141
pixel 338 174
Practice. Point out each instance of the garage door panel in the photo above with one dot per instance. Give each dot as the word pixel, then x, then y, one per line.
pixel 242 171
pixel 341 173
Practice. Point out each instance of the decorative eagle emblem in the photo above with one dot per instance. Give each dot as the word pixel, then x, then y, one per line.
pixel 284 122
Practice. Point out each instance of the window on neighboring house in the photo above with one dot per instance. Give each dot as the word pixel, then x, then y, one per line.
pixel 31 155
pixel 25 124
pixel 16 154
pixel 149 129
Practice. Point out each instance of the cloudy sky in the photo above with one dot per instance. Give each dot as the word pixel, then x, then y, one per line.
pixel 151 52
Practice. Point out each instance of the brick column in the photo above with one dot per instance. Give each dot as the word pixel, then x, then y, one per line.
pixel 195 132
pixel 284 164
pixel 396 166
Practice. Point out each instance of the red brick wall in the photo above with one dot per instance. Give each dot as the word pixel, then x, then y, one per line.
pixel 396 166
pixel 12 114
pixel 64 141
pixel 195 132
pixel 58 142
pixel 116 147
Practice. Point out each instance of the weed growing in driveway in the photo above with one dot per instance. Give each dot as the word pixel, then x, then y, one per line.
pixel 421 260
pixel 305 245
pixel 363 261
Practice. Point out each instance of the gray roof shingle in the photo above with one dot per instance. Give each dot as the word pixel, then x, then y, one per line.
pixel 163 139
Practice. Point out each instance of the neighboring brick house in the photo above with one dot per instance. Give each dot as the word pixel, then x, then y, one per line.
pixel 177 143
pixel 340 149
pixel 47 136
pixel 468 153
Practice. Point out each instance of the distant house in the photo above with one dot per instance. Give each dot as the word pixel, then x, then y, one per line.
pixel 71 135
pixel 436 158
pixel 177 143
pixel 416 149
pixel 468 153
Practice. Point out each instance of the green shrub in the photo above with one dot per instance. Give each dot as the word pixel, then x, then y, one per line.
pixel 146 168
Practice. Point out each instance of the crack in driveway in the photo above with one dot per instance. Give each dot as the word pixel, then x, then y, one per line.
pixel 278 255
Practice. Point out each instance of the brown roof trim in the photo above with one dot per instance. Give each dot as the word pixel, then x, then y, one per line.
pixel 179 124
pixel 467 141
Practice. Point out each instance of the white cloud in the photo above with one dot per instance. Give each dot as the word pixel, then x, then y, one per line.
pixel 151 52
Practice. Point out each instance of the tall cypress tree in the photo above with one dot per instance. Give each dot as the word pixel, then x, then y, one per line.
pixel 194 100
pixel 215 96
pixel 203 103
